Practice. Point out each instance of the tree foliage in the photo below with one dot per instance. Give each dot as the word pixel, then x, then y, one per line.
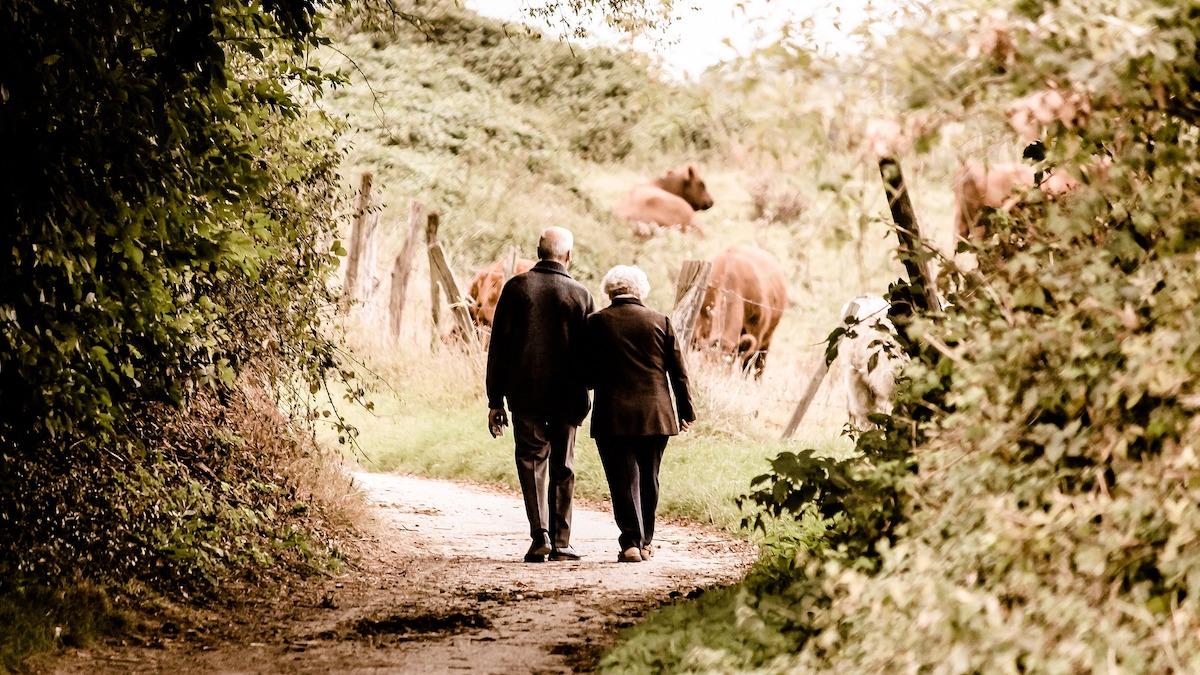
pixel 170 202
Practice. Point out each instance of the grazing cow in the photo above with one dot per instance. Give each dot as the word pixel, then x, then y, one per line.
pixel 745 299
pixel 484 291
pixel 870 357
pixel 671 200
pixel 998 186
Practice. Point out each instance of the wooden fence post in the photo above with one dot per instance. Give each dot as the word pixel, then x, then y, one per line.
pixel 510 267
pixel 814 382
pixel 361 251
pixel 908 231
pixel 810 392
pixel 435 306
pixel 689 296
pixel 440 275
pixel 402 268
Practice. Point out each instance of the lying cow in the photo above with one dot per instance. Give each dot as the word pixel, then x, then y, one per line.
pixel 745 299
pixel 870 358
pixel 671 200
pixel 979 187
pixel 484 291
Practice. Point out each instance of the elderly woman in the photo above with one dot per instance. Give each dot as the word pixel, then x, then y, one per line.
pixel 634 364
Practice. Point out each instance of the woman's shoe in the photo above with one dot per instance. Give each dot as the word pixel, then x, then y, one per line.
pixel 631 554
pixel 647 552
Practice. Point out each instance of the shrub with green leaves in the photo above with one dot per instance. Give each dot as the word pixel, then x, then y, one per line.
pixel 1048 522
pixel 170 201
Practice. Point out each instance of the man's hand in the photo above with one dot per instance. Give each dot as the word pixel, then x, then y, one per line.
pixel 684 425
pixel 497 420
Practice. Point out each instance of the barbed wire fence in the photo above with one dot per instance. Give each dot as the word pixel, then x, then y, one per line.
pixel 381 317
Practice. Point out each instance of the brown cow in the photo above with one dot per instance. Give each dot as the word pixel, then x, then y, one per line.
pixel 746 296
pixel 671 200
pixel 998 186
pixel 484 291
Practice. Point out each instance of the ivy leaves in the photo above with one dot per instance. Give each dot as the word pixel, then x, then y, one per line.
pixel 167 216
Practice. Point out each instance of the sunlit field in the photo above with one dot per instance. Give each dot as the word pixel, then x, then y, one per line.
pixel 428 398
pixel 428 391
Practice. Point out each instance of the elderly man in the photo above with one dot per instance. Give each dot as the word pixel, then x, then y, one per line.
pixel 533 358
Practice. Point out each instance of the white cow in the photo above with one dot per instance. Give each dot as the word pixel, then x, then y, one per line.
pixel 870 358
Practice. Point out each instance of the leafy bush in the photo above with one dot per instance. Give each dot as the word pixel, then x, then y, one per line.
pixel 1046 520
pixel 606 106
pixel 168 237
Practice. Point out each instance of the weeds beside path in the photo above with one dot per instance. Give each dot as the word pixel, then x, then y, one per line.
pixel 440 587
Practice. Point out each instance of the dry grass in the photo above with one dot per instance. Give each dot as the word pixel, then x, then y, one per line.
pixel 823 272
pixel 315 475
pixel 775 202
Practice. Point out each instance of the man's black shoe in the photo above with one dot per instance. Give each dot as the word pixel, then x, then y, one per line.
pixel 564 553
pixel 538 549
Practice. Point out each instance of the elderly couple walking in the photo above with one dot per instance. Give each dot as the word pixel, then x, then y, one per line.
pixel 548 347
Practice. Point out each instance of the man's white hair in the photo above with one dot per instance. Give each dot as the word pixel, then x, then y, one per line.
pixel 625 280
pixel 555 243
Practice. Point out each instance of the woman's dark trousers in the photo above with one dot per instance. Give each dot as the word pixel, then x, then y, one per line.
pixel 631 466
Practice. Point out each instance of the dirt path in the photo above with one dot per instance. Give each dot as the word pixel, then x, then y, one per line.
pixel 442 588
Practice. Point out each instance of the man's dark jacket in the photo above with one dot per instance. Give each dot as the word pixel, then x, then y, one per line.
pixel 537 337
pixel 631 356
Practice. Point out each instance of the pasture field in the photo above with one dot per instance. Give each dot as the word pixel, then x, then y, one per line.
pixel 435 427
pixel 494 144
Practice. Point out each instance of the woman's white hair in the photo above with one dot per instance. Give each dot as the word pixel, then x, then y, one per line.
pixel 625 280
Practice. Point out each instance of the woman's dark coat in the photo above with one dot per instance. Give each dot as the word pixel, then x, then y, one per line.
pixel 634 364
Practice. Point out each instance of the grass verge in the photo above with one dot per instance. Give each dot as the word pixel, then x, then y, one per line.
pixel 36 619
pixel 734 629
pixel 436 427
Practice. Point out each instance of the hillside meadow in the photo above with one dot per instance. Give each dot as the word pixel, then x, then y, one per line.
pixel 505 132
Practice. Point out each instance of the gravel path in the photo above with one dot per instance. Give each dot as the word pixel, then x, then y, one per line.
pixel 441 588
